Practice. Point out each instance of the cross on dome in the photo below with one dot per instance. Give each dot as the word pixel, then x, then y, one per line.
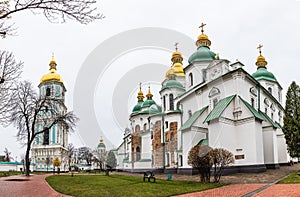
pixel 176 46
pixel 259 48
pixel 202 27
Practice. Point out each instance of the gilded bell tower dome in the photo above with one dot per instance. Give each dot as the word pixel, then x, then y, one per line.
pixel 52 75
pixel 176 68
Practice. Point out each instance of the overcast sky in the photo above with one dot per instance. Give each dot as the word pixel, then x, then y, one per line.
pixel 234 27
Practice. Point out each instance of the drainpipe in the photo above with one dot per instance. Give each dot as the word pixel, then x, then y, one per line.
pixel 163 140
pixel 258 97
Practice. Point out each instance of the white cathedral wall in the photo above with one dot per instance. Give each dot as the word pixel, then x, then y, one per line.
pixel 197 71
pixel 249 143
pixel 189 139
pixel 283 155
pixel 142 165
pixel 270 146
pixel 146 146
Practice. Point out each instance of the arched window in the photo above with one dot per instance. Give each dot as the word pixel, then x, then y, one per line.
pixel 172 136
pixel 215 101
pixel 190 113
pixel 164 102
pixel 138 153
pixel 48 91
pixel 145 126
pixel 167 124
pixel 178 106
pixel 46 137
pixel 270 90
pixel 137 128
pixel 272 116
pixel 171 99
pixel 252 102
pixel 191 79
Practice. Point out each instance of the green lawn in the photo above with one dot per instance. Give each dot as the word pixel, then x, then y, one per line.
pixel 119 185
pixel 9 173
pixel 292 178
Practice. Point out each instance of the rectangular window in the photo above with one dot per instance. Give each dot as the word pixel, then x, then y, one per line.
pixel 46 137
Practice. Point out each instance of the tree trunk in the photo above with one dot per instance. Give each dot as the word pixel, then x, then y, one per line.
pixel 27 161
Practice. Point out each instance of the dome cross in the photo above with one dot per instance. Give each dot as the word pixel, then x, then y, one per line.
pixel 259 48
pixel 176 46
pixel 202 27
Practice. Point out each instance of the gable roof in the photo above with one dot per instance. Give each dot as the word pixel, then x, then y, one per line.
pixel 192 119
pixel 219 108
pixel 252 110
pixel 275 125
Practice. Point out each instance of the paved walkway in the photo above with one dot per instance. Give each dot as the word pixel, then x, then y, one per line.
pixel 22 186
pixel 258 185
pixel 237 190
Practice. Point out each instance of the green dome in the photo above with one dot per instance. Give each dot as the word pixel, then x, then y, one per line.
pixel 148 103
pixel 202 53
pixel 172 84
pixel 263 73
pixel 137 107
pixel 155 109
pixel 101 145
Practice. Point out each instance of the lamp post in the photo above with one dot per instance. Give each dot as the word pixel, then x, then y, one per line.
pixel 16 163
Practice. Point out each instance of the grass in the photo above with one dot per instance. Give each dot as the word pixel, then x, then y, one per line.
pixel 119 185
pixel 9 173
pixel 292 178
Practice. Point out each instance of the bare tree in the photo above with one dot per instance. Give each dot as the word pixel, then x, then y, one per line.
pixel 99 158
pixel 199 159
pixel 29 108
pixel 10 71
pixel 220 158
pixel 70 152
pixel 83 11
pixel 7 155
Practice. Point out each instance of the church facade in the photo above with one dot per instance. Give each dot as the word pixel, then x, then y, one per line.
pixel 54 142
pixel 210 101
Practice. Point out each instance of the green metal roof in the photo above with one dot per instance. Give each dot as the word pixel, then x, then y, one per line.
pixel 263 73
pixel 101 145
pixel 278 125
pixel 11 162
pixel 219 108
pixel 148 103
pixel 203 53
pixel 253 111
pixel 270 120
pixel 192 119
pixel 203 142
pixel 137 107
pixel 172 84
pixel 144 160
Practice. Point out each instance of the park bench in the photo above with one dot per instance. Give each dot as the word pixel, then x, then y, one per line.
pixel 149 175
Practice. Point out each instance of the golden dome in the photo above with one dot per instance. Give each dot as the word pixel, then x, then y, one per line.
pixel 176 57
pixel 149 95
pixel 203 39
pixel 261 60
pixel 140 94
pixel 170 71
pixel 178 69
pixel 52 76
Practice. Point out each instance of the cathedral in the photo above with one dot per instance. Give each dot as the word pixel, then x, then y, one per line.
pixel 52 143
pixel 213 102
